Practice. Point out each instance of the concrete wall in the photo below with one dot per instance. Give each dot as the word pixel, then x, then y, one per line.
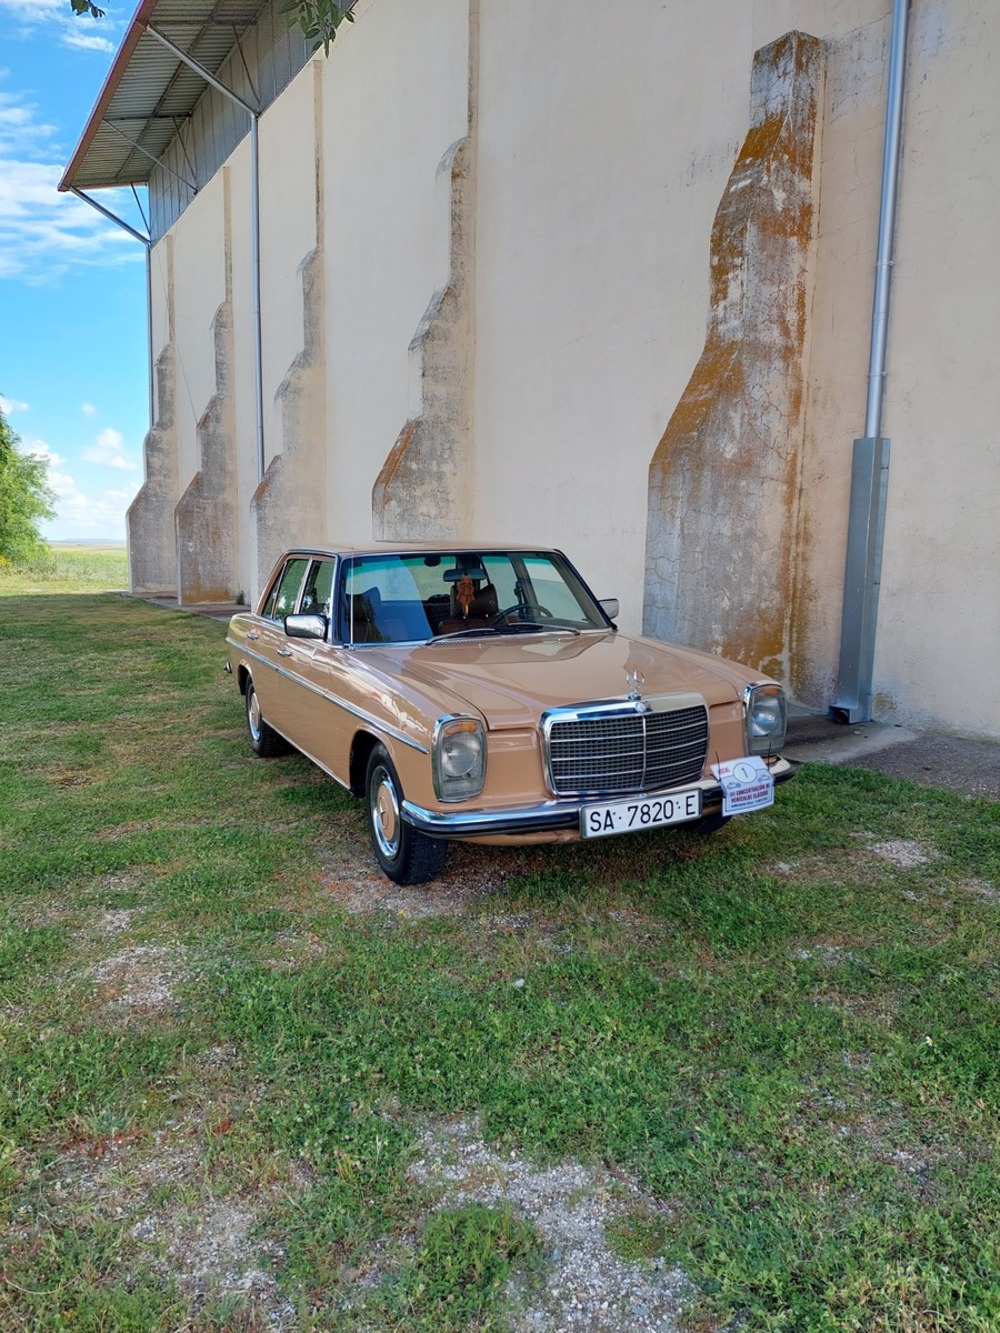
pixel 395 104
pixel 489 276
pixel 939 619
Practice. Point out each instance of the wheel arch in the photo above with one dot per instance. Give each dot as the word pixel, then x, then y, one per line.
pixel 361 748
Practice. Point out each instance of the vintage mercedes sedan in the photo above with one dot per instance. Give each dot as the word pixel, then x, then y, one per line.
pixel 485 693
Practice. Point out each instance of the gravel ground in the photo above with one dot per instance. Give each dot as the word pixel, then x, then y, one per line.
pixel 587 1286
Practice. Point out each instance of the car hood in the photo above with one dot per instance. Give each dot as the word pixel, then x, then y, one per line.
pixel 511 680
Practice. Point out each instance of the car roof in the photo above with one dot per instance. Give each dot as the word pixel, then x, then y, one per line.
pixel 415 548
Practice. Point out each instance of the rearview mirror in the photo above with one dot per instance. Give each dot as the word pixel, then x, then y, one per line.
pixel 308 626
pixel 609 605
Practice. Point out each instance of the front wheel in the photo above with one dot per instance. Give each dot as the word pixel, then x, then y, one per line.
pixel 713 823
pixel 406 856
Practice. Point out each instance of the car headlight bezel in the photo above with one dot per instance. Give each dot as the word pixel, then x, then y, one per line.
pixel 458 757
pixel 766 717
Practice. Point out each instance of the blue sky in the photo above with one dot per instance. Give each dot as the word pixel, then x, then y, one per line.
pixel 73 361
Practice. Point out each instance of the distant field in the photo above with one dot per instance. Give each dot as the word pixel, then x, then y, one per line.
pixel 87 567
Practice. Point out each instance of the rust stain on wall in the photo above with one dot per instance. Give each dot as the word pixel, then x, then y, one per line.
pixel 206 517
pixel 425 486
pixel 291 497
pixel 723 482
pixel 152 550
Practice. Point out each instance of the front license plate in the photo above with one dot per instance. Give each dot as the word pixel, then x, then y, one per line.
pixel 633 815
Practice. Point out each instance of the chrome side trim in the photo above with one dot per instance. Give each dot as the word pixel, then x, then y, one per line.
pixel 359 713
pixel 550 815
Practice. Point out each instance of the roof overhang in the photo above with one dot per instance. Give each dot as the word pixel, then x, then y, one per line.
pixel 150 93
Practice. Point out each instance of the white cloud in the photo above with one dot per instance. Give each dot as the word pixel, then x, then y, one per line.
pixel 86 41
pixel 85 31
pixel 79 514
pixel 43 232
pixel 109 451
pixel 88 409
pixel 9 405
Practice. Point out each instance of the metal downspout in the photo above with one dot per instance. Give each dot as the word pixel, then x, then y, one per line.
pixel 147 245
pixel 870 463
pixel 254 115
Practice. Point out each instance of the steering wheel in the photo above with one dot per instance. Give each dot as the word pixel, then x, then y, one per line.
pixel 501 616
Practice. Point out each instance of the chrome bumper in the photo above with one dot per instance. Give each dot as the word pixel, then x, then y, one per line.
pixel 551 815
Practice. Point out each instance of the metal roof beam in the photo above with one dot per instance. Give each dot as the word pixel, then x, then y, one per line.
pixel 106 212
pixel 209 78
pixel 191 185
pixel 254 114
pixel 147 246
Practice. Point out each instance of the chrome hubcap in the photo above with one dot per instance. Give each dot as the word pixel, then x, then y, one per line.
pixel 385 813
pixel 253 715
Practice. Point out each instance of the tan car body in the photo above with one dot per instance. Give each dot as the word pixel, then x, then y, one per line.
pixel 332 701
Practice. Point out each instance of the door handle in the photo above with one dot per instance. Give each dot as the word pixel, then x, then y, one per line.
pixel 284 652
pixel 253 633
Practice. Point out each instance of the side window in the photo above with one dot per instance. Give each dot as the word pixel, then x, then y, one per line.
pixel 282 599
pixel 319 585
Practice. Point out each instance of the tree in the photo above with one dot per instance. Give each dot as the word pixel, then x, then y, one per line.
pixel 318 19
pixel 25 498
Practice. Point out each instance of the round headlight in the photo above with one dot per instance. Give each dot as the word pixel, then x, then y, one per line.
pixel 765 715
pixel 766 718
pixel 460 754
pixel 459 758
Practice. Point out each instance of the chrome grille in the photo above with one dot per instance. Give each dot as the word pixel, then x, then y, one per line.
pixel 609 751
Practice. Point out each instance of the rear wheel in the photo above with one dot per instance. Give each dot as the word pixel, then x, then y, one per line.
pixel 406 856
pixel 264 740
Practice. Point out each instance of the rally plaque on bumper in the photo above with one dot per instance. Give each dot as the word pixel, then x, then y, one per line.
pixel 634 814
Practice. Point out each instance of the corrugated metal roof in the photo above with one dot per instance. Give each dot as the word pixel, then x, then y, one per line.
pixel 149 92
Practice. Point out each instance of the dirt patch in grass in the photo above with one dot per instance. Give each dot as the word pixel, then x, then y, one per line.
pixel 160 1191
pixel 903 853
pixel 351 877
pixel 141 977
pixel 114 922
pixel 980 888
pixel 586 1286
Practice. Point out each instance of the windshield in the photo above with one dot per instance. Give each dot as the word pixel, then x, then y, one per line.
pixel 414 597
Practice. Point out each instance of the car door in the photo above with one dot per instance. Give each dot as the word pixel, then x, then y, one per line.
pixel 273 675
pixel 304 665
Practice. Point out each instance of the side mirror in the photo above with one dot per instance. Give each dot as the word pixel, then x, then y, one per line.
pixel 609 605
pixel 308 626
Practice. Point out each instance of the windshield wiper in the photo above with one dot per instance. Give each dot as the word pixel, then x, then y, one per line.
pixel 515 627
pixel 529 626
pixel 477 632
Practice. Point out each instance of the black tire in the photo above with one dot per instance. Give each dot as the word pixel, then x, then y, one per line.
pixel 264 740
pixel 712 823
pixel 405 855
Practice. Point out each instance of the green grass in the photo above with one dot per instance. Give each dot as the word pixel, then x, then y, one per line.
pixel 790 1041
pixel 87 567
